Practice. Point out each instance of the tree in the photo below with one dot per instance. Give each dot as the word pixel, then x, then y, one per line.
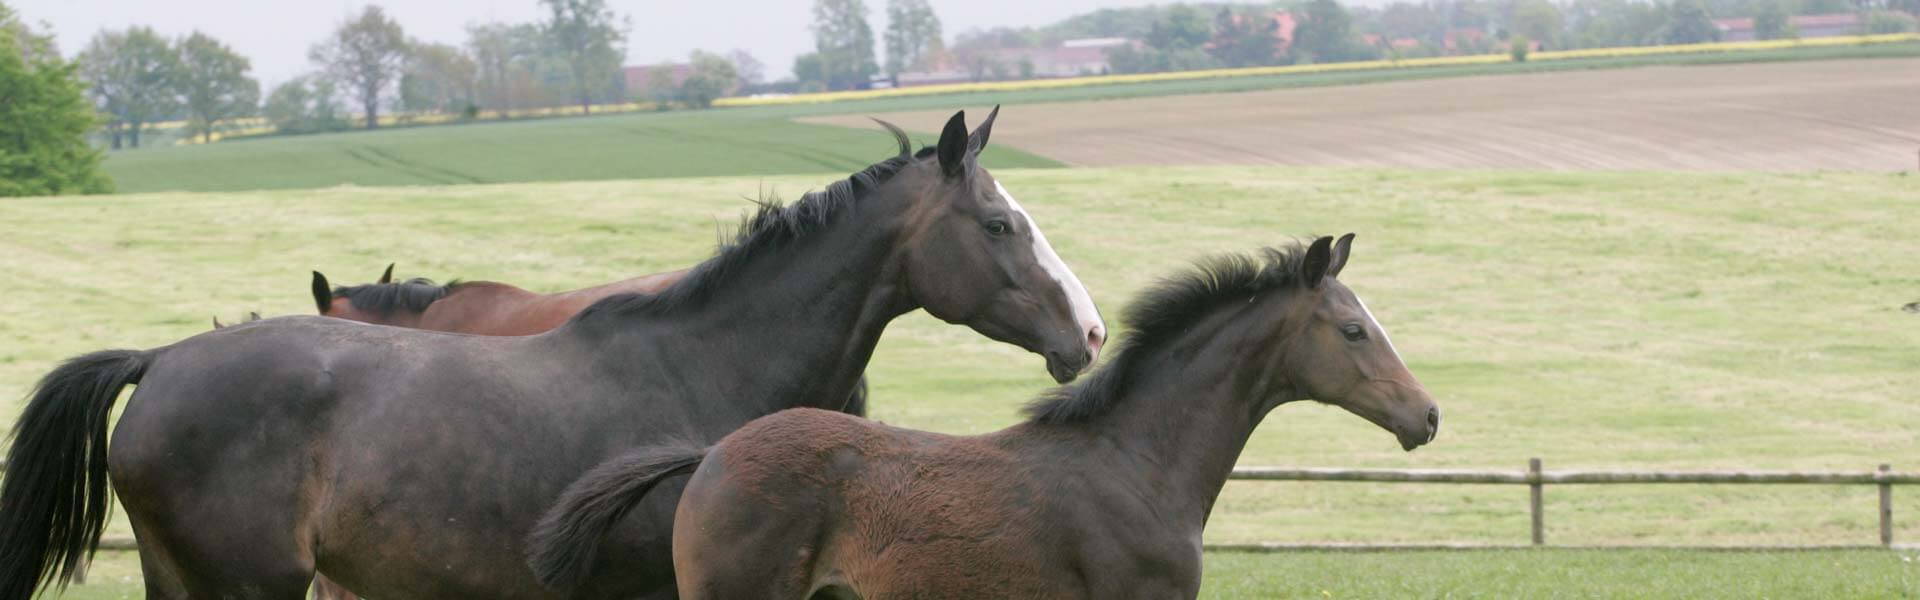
pixel 1183 28
pixel 365 54
pixel 304 105
pixel 1771 23
pixel 438 78
pixel 1888 21
pixel 1539 21
pixel 44 119
pixel 711 77
pixel 214 84
pixel 749 69
pixel 1325 34
pixel 1689 23
pixel 133 77
pixel 809 68
pixel 844 42
pixel 591 40
pixel 660 86
pixel 508 61
pixel 913 34
pixel 1245 39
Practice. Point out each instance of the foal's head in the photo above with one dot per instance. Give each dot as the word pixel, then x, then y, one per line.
pixel 1332 350
pixel 382 302
pixel 973 256
pixel 1285 323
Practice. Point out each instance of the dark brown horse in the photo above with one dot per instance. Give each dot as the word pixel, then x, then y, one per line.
pixel 413 464
pixel 479 308
pixel 1102 493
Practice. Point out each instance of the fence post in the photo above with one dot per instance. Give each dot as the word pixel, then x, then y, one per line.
pixel 1886 506
pixel 1539 521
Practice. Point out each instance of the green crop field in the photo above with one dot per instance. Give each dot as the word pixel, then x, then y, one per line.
pixel 744 141
pixel 1596 320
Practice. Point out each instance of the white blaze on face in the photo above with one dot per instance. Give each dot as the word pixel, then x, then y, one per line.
pixel 1376 325
pixel 1083 310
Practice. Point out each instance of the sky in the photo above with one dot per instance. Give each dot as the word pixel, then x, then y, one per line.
pixel 275 34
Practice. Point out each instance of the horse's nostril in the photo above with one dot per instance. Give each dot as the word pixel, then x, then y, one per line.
pixel 1096 338
pixel 1433 418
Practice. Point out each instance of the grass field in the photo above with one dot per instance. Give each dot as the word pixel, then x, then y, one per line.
pixel 1597 320
pixel 745 141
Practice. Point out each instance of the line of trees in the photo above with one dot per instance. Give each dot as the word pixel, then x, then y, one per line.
pixel 368 66
pixel 137 77
pixel 843 56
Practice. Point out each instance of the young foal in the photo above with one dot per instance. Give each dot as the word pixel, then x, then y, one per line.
pixel 1101 494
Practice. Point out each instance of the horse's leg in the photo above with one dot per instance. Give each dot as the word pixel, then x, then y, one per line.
pixel 157 570
pixel 326 589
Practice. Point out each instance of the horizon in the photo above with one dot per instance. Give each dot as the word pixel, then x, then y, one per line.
pixel 774 34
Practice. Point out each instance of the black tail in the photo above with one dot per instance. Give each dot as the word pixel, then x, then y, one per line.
pixel 562 546
pixel 857 401
pixel 53 498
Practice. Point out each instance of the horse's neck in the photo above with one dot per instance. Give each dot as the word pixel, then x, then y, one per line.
pixel 1187 416
pixel 792 326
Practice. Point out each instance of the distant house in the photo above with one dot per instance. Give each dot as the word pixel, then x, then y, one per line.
pixel 1283 29
pixel 1809 26
pixel 640 78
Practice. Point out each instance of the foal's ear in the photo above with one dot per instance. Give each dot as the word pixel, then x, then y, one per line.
pixel 1319 257
pixel 1342 248
pixel 387 277
pixel 953 145
pixel 322 294
pixel 978 141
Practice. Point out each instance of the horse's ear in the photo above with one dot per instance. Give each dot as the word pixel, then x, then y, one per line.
pixel 216 322
pixel 1319 257
pixel 253 315
pixel 322 294
pixel 978 141
pixel 953 145
pixel 387 277
pixel 1342 248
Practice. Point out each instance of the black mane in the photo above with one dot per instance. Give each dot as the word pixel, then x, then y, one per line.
pixel 1163 312
pixel 771 227
pixel 414 295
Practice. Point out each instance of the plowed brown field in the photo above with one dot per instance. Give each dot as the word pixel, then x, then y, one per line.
pixel 1845 115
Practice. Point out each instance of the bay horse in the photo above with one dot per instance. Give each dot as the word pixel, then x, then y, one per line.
pixel 475 307
pixel 413 464
pixel 1101 493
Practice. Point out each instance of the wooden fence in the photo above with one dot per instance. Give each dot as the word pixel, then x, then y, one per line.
pixel 1537 479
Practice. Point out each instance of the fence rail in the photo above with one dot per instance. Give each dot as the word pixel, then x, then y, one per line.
pixel 1537 479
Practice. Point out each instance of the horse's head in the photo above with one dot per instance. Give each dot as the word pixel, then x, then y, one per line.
pixel 972 255
pixel 382 302
pixel 1342 356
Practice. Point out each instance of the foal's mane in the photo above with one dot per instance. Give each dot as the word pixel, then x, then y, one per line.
pixel 413 295
pixel 1163 312
pixel 772 226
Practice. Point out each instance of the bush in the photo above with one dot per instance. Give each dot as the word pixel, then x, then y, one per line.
pixel 1518 48
pixel 44 119
pixel 1889 21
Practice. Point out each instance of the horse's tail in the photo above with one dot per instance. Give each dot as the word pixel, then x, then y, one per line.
pixel 53 498
pixel 562 546
pixel 857 401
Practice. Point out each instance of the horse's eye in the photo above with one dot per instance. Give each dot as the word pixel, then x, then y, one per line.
pixel 1354 332
pixel 998 227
